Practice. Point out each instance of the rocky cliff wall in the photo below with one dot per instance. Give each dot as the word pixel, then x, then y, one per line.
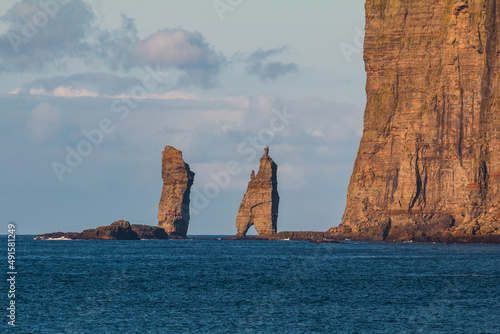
pixel 428 164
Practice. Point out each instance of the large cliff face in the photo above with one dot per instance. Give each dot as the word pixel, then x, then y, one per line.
pixel 173 210
pixel 259 206
pixel 428 164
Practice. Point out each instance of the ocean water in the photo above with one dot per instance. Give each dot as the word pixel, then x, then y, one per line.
pixel 218 286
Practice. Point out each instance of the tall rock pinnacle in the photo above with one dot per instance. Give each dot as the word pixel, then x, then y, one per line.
pixel 260 203
pixel 173 210
pixel 428 164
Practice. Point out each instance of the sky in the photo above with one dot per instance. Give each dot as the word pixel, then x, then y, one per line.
pixel 93 90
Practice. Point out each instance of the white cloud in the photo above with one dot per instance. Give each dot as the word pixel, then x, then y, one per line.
pixel 175 95
pixel 183 50
pixel 241 102
pixel 265 102
pixel 43 122
pixel 71 92
pixel 100 82
pixel 318 133
pixel 61 92
pixel 170 48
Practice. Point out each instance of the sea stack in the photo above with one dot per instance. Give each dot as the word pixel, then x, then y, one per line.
pixel 259 206
pixel 428 165
pixel 173 210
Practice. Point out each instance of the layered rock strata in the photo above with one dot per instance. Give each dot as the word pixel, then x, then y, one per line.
pixel 428 165
pixel 173 209
pixel 259 206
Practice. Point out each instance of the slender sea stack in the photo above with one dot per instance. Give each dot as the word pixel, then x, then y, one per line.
pixel 173 210
pixel 428 165
pixel 260 203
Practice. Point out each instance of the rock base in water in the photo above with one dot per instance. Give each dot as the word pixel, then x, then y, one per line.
pixel 119 230
pixel 285 235
pixel 146 232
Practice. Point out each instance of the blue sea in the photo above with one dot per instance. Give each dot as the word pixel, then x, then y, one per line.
pixel 222 286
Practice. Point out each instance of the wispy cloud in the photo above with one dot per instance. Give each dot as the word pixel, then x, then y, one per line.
pixel 63 92
pixel 57 89
pixel 264 69
pixel 100 83
pixel 40 38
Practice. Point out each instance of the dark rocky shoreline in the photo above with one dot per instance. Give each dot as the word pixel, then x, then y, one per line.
pixel 123 230
pixel 119 230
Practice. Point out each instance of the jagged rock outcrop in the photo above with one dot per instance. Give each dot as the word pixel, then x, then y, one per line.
pixel 147 232
pixel 428 165
pixel 173 210
pixel 259 206
pixel 119 230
